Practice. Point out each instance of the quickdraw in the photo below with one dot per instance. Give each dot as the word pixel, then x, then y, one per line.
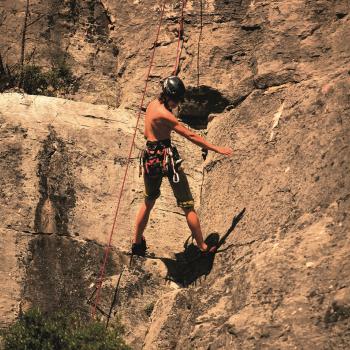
pixel 173 163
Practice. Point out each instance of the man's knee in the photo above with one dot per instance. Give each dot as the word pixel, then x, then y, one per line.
pixel 149 203
pixel 188 210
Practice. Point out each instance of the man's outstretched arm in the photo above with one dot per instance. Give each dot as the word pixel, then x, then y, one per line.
pixel 198 140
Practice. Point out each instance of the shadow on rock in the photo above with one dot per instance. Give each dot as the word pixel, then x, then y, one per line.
pixel 191 265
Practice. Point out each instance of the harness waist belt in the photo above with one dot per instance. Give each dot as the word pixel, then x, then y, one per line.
pixel 159 144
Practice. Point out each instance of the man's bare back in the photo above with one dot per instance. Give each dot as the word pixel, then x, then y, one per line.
pixel 157 125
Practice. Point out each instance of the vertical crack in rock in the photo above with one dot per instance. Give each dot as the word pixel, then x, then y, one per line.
pixel 74 10
pixel 56 186
pixel 199 103
pixel 59 277
pixel 229 10
pixel 61 21
pixel 98 21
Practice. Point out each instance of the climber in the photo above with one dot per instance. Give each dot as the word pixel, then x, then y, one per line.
pixel 160 158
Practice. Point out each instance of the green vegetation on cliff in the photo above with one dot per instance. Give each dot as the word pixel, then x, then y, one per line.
pixel 61 331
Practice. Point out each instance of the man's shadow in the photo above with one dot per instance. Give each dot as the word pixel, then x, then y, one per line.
pixel 190 265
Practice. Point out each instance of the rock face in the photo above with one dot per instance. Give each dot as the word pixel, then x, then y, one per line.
pixel 49 149
pixel 274 84
pixel 63 164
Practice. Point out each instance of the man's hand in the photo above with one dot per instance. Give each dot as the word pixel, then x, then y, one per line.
pixel 226 151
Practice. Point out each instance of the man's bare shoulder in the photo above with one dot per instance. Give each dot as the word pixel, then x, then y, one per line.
pixel 161 112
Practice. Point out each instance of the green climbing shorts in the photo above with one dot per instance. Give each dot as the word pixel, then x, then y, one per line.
pixel 181 189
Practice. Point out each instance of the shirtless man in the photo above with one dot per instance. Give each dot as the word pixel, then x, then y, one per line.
pixel 159 123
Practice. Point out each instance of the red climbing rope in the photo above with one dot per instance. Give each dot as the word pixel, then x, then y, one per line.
pixel 199 43
pixel 180 39
pixel 108 247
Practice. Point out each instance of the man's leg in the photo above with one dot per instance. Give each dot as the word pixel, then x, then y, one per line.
pixel 152 192
pixel 142 219
pixel 195 227
pixel 185 201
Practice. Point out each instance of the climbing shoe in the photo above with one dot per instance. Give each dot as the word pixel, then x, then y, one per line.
pixel 139 248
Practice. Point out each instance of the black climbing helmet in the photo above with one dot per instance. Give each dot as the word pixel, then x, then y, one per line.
pixel 174 88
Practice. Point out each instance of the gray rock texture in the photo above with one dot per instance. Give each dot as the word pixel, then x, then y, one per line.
pixel 274 85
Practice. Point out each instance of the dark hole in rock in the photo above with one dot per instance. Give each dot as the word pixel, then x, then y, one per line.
pixel 341 15
pixel 199 102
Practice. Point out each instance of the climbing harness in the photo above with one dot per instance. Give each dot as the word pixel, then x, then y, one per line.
pixel 153 162
pixel 160 158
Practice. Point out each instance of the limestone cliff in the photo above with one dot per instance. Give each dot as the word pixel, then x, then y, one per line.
pixel 275 82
